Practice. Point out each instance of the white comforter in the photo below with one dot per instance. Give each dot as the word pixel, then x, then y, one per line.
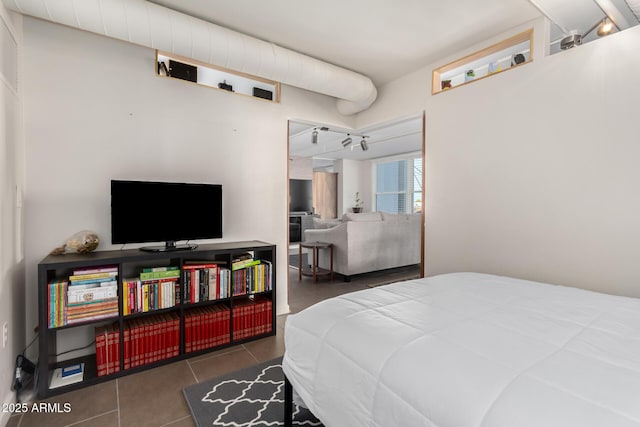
pixel 467 349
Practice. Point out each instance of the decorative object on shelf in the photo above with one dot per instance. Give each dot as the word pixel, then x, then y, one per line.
pixel 518 59
pixel 357 208
pixel 183 71
pixel 494 67
pixel 445 84
pixel 469 75
pixel 262 93
pixel 81 242
pixel 225 86
pixel 163 70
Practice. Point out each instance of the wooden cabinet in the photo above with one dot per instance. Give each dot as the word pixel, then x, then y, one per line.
pixel 249 307
pixel 325 194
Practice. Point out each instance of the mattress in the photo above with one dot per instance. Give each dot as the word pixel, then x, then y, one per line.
pixel 468 349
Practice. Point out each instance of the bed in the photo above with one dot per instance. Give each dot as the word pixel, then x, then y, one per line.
pixel 467 349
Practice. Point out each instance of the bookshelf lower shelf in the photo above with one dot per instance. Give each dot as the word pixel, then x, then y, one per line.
pixel 200 327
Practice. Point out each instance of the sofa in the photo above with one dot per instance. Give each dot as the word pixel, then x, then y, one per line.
pixel 371 241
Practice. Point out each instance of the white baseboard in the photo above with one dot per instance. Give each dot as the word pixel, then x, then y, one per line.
pixel 8 400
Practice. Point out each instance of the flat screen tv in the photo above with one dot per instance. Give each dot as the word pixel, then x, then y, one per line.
pixel 300 195
pixel 147 211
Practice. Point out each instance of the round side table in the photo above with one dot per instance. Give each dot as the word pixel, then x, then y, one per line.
pixel 315 271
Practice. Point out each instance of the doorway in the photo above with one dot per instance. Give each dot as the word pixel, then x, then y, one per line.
pixel 352 159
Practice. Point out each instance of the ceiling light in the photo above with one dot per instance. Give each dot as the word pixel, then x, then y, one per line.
pixel 314 136
pixel 605 27
pixel 364 145
pixel 346 141
pixel 570 41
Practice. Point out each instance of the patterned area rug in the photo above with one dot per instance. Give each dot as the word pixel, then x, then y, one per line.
pixel 250 397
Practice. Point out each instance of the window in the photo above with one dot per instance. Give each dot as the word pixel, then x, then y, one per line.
pixel 399 185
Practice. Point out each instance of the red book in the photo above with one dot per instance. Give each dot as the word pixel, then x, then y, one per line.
pixel 135 344
pixel 199 329
pixel 200 266
pixel 188 319
pixel 204 336
pixel 269 315
pixel 127 346
pixel 212 326
pixel 141 342
pixel 226 325
pixel 154 330
pixel 160 329
pixel 176 334
pixel 216 324
pixel 146 342
pixel 258 317
pixel 101 355
pixel 115 330
pixel 204 341
pixel 164 347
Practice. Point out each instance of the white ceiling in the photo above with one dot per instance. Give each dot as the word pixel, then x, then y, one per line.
pixel 381 39
pixel 384 40
pixel 402 136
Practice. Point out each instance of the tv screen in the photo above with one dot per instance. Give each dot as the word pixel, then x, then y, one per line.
pixel 146 211
pixel 300 195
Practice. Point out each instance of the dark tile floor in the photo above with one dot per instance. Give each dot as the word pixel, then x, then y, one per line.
pixel 154 397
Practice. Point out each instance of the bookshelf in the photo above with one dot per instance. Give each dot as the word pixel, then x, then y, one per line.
pixel 142 335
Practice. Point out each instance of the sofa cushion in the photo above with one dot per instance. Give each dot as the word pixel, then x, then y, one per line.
pixel 386 216
pixel 325 223
pixel 366 216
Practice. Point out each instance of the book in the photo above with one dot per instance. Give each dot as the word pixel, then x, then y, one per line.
pixel 91 294
pixel 157 269
pixel 93 276
pixel 94 270
pixel 243 264
pixel 67 375
pixel 160 274
pixel 102 281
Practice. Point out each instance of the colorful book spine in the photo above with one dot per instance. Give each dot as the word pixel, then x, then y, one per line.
pixel 107 275
pixel 158 269
pixel 173 274
pixel 95 270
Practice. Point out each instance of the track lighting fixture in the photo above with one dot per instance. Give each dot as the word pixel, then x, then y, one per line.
pixel 347 141
pixel 314 136
pixel 363 144
pixel 605 27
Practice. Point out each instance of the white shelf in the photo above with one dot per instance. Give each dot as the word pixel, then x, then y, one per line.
pixel 211 76
pixel 500 57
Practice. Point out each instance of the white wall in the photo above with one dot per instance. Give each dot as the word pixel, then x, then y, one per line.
pixel 534 172
pixel 11 181
pixel 95 111
pixel 353 176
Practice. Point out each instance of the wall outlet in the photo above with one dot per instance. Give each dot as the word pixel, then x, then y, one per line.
pixel 5 334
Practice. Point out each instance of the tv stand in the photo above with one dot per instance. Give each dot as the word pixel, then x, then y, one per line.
pixel 247 309
pixel 170 246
